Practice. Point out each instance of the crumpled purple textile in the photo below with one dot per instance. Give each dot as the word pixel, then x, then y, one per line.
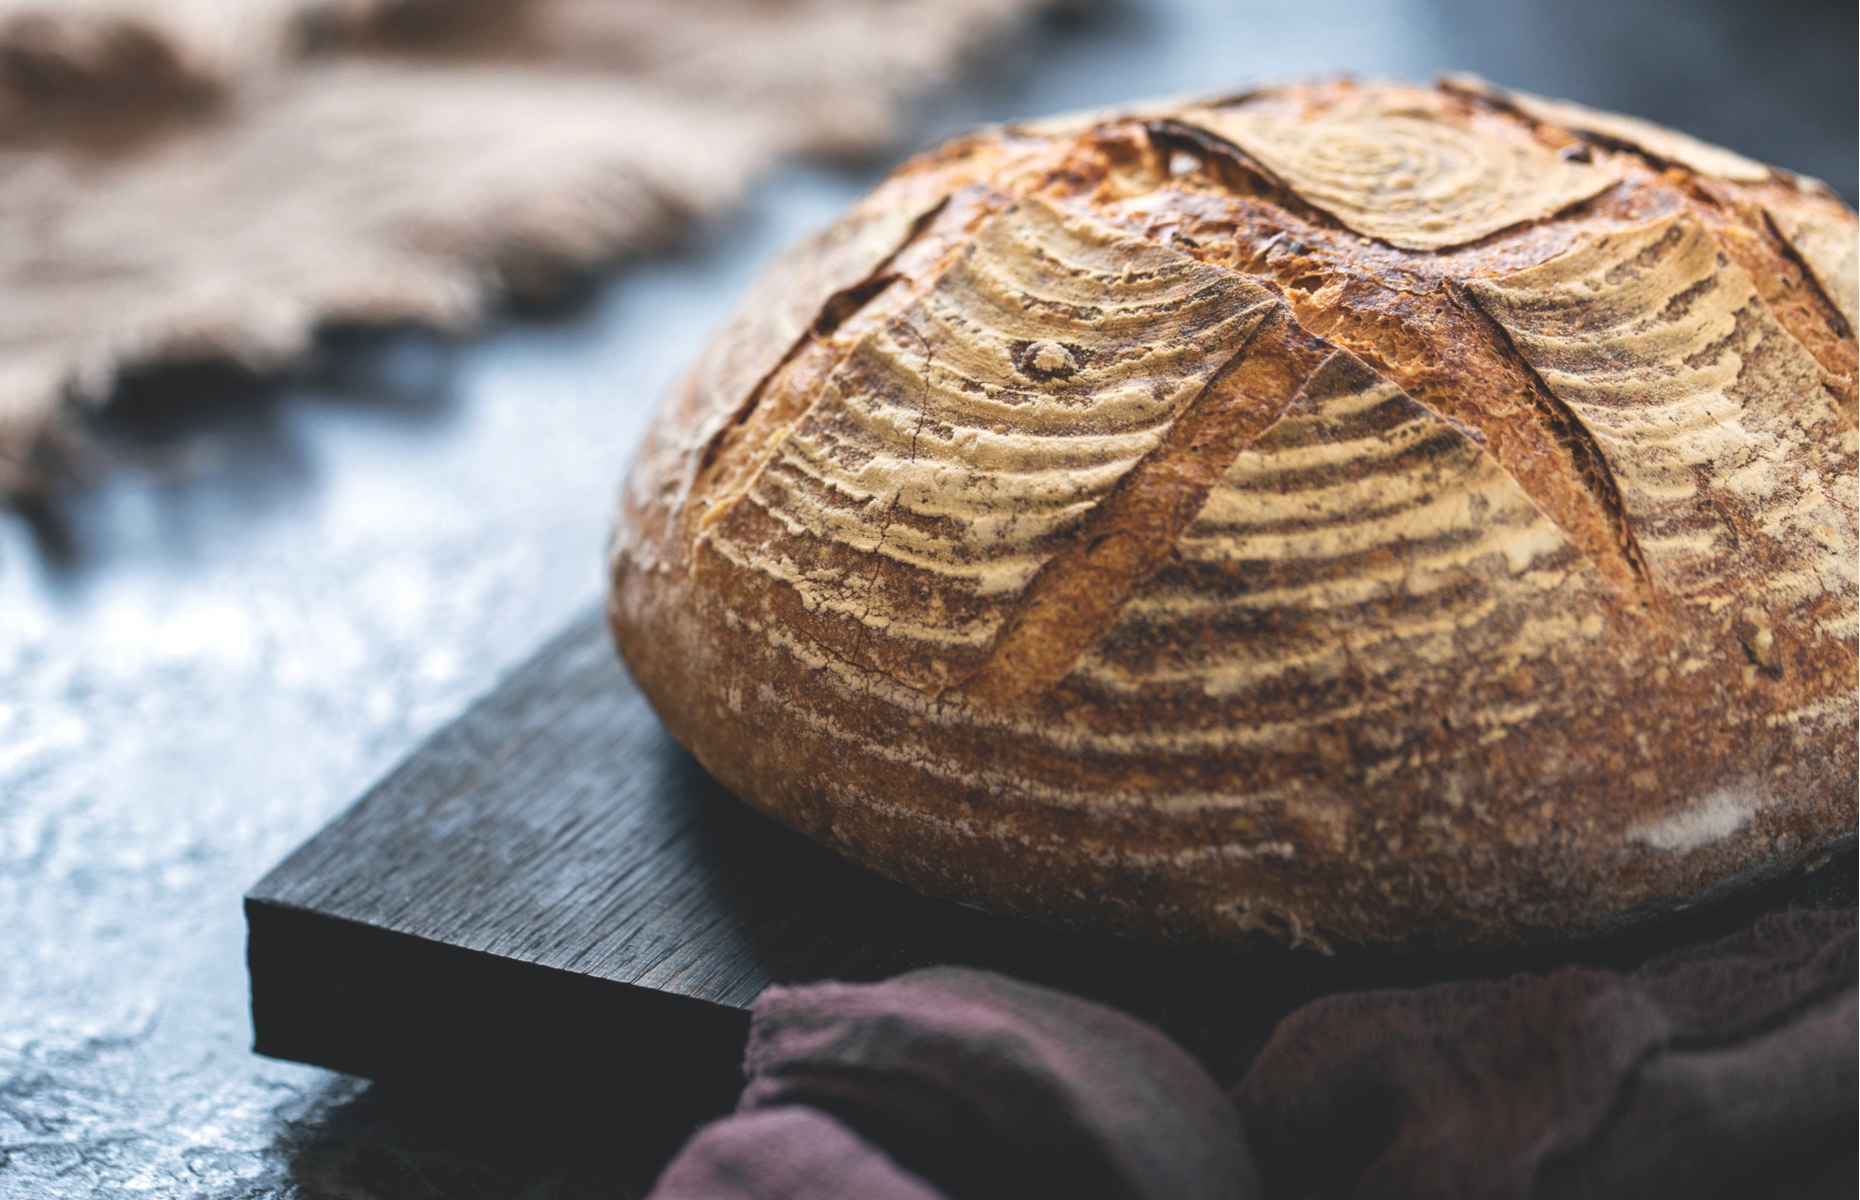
pixel 977 1085
pixel 1723 1071
pixel 1726 1071
pixel 786 1153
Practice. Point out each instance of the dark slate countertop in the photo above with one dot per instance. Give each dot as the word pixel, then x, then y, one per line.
pixel 267 592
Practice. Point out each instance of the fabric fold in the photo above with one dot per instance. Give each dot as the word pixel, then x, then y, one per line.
pixel 792 1153
pixel 1722 1071
pixel 988 1087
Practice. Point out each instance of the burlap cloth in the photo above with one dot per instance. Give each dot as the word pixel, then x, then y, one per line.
pixel 198 179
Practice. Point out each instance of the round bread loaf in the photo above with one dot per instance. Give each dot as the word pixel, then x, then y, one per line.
pixel 1364 518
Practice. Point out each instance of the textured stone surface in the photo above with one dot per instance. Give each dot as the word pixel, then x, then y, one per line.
pixel 267 604
pixel 283 590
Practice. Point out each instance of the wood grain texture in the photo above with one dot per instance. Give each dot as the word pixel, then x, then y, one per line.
pixel 1358 518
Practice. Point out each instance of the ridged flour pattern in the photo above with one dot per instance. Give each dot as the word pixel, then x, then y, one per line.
pixel 967 430
pixel 1160 524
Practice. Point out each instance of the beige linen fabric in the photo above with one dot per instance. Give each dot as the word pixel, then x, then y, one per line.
pixel 197 179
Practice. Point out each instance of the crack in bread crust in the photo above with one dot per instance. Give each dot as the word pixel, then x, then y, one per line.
pixel 1590 462
pixel 1133 532
pixel 967 429
pixel 732 456
pixel 1701 402
pixel 1408 318
pixel 1137 547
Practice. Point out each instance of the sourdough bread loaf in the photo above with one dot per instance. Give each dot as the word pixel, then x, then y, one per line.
pixel 1389 518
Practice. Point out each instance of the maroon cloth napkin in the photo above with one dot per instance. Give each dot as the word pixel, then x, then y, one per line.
pixel 786 1154
pixel 976 1086
pixel 1724 1071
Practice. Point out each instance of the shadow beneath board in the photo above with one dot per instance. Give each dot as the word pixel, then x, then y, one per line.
pixel 396 1143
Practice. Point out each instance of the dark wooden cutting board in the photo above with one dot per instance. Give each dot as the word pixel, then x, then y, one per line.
pixel 550 904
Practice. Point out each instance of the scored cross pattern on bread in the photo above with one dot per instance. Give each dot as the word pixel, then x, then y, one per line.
pixel 1370 518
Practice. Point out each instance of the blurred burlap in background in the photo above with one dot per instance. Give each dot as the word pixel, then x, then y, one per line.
pixel 186 180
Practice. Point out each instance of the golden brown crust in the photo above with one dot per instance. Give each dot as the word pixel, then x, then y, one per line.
pixel 1147 523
